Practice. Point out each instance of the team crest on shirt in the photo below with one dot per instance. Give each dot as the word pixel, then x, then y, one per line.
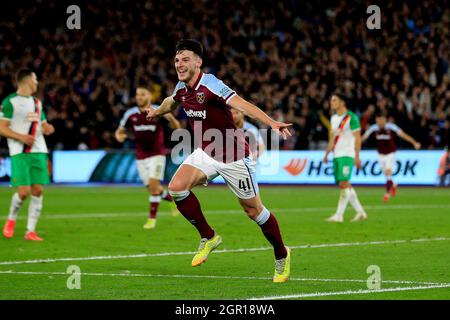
pixel 200 97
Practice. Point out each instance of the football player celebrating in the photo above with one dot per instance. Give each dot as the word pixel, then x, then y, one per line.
pixel 207 102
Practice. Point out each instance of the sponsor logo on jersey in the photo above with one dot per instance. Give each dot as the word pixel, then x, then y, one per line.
pixel 383 137
pixel 200 97
pixel 196 113
pixel 32 116
pixel 145 127
pixel 225 92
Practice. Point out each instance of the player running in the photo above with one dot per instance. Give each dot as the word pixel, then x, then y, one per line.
pixel 345 141
pixel 150 151
pixel 384 134
pixel 23 122
pixel 207 102
pixel 254 138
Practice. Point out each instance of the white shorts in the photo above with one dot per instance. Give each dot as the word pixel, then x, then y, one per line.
pixel 386 161
pixel 240 176
pixel 151 168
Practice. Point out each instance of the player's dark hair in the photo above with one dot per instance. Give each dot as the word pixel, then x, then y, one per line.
pixel 191 45
pixel 22 74
pixel 145 86
pixel 341 97
pixel 381 114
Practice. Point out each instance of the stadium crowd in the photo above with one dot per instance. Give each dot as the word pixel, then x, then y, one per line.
pixel 285 56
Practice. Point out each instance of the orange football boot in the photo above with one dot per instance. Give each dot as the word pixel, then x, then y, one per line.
pixel 32 236
pixel 8 229
pixel 394 190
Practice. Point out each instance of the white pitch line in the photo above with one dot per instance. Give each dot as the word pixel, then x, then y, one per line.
pixel 339 293
pixel 163 254
pixel 58 216
pixel 193 276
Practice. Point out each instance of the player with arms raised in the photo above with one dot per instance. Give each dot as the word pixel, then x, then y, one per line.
pixel 150 151
pixel 345 141
pixel 384 134
pixel 207 102
pixel 23 122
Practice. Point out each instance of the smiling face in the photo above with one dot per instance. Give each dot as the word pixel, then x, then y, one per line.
pixel 187 64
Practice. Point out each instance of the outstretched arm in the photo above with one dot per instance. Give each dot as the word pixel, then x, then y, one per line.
pixel 254 112
pixel 364 137
pixel 408 138
pixel 368 132
pixel 168 105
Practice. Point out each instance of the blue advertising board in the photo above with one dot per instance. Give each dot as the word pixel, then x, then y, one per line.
pixel 280 167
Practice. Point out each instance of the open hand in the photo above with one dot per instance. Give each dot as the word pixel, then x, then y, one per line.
pixel 282 129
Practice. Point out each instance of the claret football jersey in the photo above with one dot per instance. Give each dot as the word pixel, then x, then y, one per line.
pixel 206 105
pixel 148 135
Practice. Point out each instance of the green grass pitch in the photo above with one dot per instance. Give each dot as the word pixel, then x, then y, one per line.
pixel 99 229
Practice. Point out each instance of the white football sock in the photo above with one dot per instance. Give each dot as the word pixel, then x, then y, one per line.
pixel 353 198
pixel 343 201
pixel 263 216
pixel 16 204
pixel 34 211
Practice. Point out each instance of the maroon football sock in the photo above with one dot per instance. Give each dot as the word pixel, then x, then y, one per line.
pixel 272 233
pixel 191 210
pixel 166 196
pixel 153 209
pixel 389 185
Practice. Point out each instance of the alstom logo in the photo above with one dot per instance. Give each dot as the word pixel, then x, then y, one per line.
pixel 196 114
pixel 295 166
